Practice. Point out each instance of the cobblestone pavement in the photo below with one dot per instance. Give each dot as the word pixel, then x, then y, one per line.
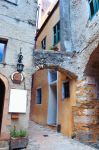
pixel 43 138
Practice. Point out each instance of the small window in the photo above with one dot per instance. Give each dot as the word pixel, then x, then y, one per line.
pixel 56 32
pixel 94 7
pixel 43 43
pixel 39 96
pixel 66 90
pixel 12 1
pixel 3 45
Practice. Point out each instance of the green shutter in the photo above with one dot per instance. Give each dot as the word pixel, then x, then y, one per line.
pixel 94 7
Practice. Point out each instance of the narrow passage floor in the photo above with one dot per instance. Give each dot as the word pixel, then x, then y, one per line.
pixel 43 138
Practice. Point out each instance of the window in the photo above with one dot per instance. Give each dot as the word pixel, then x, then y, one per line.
pixel 66 90
pixel 43 43
pixel 94 7
pixel 3 44
pixel 56 31
pixel 39 96
pixel 52 76
pixel 12 1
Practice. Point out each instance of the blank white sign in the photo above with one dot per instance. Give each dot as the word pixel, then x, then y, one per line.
pixel 18 101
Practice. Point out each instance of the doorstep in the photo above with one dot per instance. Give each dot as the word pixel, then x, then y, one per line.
pixel 4 145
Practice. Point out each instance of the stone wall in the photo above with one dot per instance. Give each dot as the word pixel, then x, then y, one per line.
pixel 84 30
pixel 86 116
pixel 85 110
pixel 17 25
pixel 48 31
pixel 79 40
pixel 77 28
pixel 65 25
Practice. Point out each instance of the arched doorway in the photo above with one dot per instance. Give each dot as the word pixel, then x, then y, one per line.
pixel 2 95
pixel 92 70
pixel 86 111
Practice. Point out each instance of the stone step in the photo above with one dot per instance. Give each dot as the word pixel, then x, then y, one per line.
pixel 4 145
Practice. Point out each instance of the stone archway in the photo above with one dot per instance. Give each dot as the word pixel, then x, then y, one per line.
pixel 92 66
pixel 86 111
pixel 40 114
pixel 86 107
pixel 51 59
pixel 5 121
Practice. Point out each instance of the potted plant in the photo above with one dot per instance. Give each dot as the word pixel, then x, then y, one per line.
pixel 19 138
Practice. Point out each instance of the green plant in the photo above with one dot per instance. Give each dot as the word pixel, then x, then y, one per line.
pixel 23 133
pixel 18 133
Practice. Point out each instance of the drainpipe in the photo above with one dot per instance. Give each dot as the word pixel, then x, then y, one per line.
pixel 58 125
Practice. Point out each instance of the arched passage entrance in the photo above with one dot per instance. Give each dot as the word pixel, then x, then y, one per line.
pixel 92 70
pixel 87 108
pixel 2 95
pixel 50 104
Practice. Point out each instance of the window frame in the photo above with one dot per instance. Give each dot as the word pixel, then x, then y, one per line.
pixel 43 43
pixel 95 7
pixel 40 102
pixel 4 41
pixel 56 33
pixel 63 90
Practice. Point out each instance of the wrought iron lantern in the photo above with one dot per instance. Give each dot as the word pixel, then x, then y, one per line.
pixel 20 65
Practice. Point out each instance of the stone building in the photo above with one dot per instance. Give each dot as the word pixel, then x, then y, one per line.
pixel 44 8
pixel 80 35
pixel 79 59
pixel 50 98
pixel 45 38
pixel 17 31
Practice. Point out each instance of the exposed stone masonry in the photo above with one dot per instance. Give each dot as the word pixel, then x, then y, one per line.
pixel 17 26
pixel 86 110
pixel 52 59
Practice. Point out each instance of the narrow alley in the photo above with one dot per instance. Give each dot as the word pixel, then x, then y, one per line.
pixel 43 138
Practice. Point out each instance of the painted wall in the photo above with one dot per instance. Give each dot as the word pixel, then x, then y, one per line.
pixel 48 31
pixel 65 116
pixel 39 113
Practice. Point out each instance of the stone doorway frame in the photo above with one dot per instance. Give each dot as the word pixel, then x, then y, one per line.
pixel 5 122
pixel 2 96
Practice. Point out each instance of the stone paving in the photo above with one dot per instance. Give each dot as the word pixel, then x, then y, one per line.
pixel 43 138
